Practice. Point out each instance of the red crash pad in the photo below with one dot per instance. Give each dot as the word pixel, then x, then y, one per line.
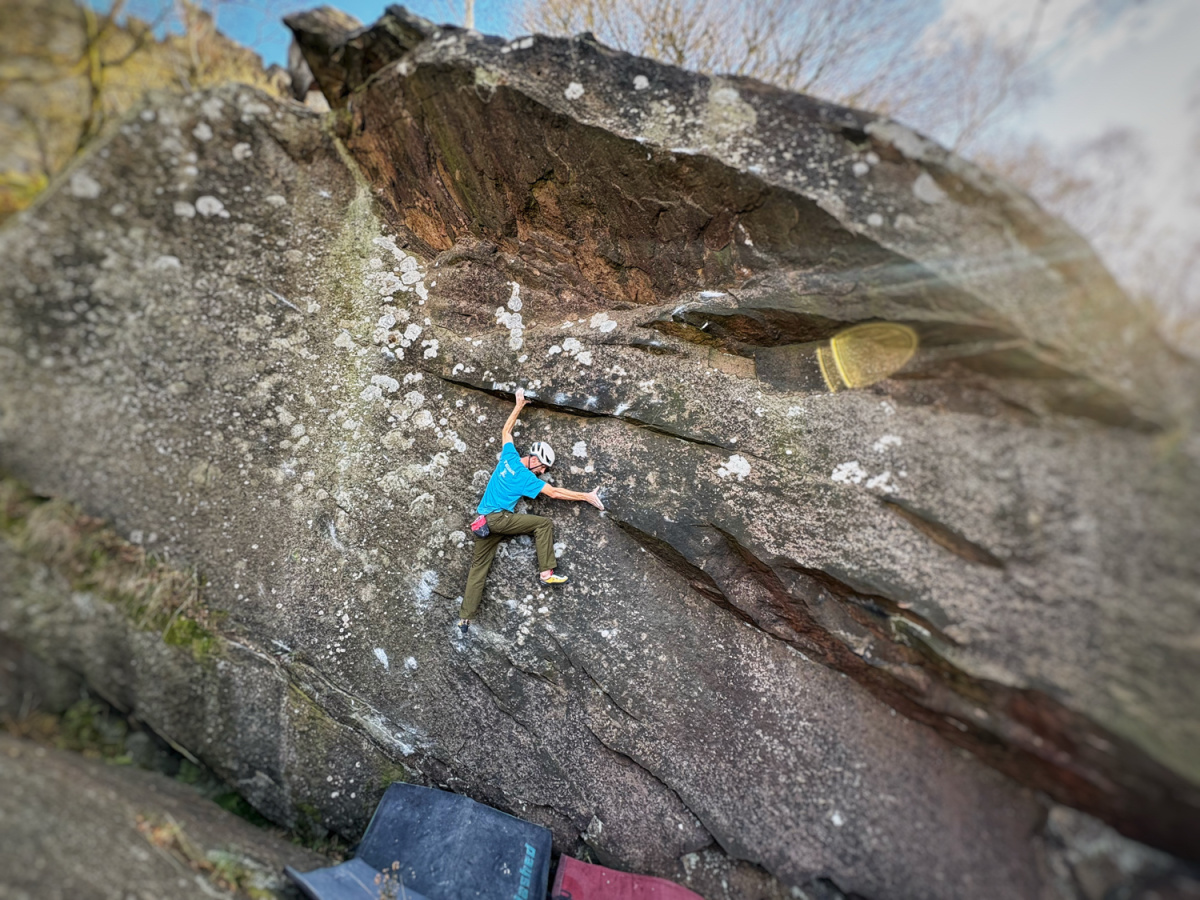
pixel 577 880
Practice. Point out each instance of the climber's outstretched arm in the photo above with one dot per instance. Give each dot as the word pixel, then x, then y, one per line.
pixel 506 434
pixel 557 493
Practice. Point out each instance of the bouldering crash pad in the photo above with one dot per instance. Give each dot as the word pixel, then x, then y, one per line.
pixel 577 880
pixel 438 846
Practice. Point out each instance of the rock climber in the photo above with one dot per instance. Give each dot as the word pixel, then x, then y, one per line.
pixel 515 477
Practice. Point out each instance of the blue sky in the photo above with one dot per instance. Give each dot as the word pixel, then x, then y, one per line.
pixel 246 22
pixel 259 23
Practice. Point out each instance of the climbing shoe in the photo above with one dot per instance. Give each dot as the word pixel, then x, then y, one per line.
pixel 553 578
pixel 464 625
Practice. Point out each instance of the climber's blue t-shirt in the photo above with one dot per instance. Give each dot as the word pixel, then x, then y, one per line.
pixel 509 483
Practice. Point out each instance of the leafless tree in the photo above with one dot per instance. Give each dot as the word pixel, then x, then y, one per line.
pixel 880 56
pixel 1097 187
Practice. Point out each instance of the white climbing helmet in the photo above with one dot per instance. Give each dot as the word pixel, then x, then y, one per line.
pixel 543 453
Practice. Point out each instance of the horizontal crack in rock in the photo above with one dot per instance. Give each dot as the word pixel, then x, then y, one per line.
pixel 596 414
pixel 944 536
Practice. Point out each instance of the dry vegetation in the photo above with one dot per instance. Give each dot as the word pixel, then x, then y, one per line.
pixel 92 557
pixel 862 53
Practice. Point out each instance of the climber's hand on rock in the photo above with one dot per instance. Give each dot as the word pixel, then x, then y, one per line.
pixel 520 398
pixel 594 499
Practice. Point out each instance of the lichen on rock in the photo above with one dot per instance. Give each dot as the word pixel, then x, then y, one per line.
pixel 801 606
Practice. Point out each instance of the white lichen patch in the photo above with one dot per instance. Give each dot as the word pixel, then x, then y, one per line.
pixel 343 341
pixel 209 205
pixel 385 284
pixel 849 473
pixel 903 139
pixel 213 108
pixel 514 299
pixel 726 113
pixel 405 274
pixel 875 220
pixel 83 186
pixel 831 203
pixel 888 440
pixel 640 82
pixel 523 43
pixel 881 482
pixel 184 210
pixel 241 152
pixel 488 80
pixel 386 383
pixel 251 107
pixel 602 323
pixel 736 465
pixel 573 91
pixel 513 322
pixel 580 449
pixel 927 190
pixel 381 655
pixel 203 132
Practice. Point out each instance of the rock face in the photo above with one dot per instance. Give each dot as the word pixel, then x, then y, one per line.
pixel 74 827
pixel 855 635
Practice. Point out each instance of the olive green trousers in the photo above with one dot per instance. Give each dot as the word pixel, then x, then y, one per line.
pixel 505 524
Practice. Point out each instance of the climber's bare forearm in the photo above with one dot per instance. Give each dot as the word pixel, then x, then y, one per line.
pixel 506 434
pixel 557 493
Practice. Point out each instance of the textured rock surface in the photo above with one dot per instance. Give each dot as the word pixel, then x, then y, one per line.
pixel 69 827
pixel 801 608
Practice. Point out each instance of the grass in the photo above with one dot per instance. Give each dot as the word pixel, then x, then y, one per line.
pixel 155 597
pixel 88 727
pixel 94 558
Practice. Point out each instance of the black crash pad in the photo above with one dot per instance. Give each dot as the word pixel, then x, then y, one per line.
pixel 448 847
